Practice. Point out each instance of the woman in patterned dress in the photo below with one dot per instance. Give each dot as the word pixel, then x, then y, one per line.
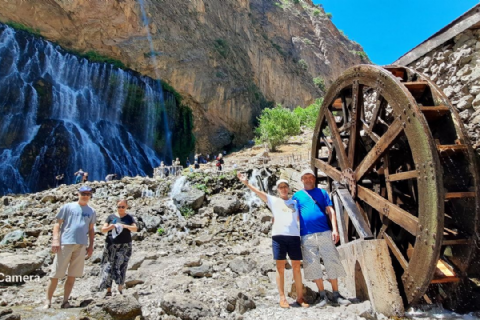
pixel 118 247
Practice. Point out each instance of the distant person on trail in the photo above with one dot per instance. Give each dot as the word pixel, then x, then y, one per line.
pixel 85 177
pixel 72 232
pixel 219 162
pixel 187 162
pixel 285 236
pixel 196 165
pixel 110 177
pixel 58 179
pixel 318 239
pixel 79 175
pixel 118 248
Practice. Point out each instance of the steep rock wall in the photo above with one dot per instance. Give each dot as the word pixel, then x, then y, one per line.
pixel 227 58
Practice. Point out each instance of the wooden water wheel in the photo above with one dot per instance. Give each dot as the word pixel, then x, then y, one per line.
pixel 392 140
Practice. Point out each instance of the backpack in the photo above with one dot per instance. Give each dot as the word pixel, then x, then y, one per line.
pixel 218 163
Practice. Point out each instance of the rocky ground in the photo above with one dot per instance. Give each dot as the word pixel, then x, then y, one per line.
pixel 203 250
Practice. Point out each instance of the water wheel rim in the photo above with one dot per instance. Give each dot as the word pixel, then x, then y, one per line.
pixel 427 227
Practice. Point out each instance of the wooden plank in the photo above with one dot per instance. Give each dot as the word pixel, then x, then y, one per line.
pixel 328 169
pixel 337 104
pixel 448 275
pixel 386 172
pixel 379 107
pixel 454 242
pixel 388 209
pixel 416 88
pixel 459 195
pixel 341 223
pixel 355 216
pixel 403 176
pixel 337 140
pixel 396 252
pixel 370 133
pixel 378 149
pixel 445 280
pixel 357 106
pixel 435 112
pixel 447 149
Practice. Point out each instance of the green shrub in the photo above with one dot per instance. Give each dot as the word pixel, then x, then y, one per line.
pixel 96 57
pixel 303 64
pixel 160 231
pixel 202 187
pixel 19 26
pixel 362 54
pixel 276 126
pixel 308 116
pixel 307 41
pixel 187 212
pixel 319 82
pixel 329 15
pixel 222 47
pixel 316 12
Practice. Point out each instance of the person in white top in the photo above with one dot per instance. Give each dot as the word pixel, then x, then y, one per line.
pixel 285 236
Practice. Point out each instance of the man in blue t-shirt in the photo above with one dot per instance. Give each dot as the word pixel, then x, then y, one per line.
pixel 72 233
pixel 318 239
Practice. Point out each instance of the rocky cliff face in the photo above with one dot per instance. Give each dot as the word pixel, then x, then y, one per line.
pixel 227 58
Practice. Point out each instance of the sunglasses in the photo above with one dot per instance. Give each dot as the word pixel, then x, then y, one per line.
pixel 121 207
pixel 85 194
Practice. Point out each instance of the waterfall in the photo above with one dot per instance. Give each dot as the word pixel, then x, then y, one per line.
pixel 61 113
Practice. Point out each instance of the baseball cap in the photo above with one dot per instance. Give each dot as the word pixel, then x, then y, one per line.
pixel 282 181
pixel 307 171
pixel 85 189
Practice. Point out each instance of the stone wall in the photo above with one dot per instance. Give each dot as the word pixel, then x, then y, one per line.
pixel 455 67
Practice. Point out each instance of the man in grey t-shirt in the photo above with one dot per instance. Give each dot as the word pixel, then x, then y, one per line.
pixel 72 232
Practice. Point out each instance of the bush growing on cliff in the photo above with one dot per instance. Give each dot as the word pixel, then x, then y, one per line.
pixel 319 82
pixel 276 126
pixel 19 26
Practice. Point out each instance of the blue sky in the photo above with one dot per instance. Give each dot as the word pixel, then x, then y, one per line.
pixel 387 29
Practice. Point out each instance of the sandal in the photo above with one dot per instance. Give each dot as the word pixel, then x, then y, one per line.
pixel 284 303
pixel 108 294
pixel 302 303
pixel 65 305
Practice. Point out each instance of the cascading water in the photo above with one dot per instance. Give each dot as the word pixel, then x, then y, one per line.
pixel 61 113
pixel 251 198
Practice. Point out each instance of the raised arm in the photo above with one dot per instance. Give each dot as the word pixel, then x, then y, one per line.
pixel 262 195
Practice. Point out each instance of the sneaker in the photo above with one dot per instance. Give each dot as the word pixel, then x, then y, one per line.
pixel 339 300
pixel 323 302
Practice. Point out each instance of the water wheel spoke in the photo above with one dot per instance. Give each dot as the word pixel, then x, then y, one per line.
pixel 328 169
pixel 357 106
pixel 396 251
pixel 380 105
pixel 386 171
pixel 337 140
pixel 370 133
pixel 413 174
pixel 396 214
pixel 376 152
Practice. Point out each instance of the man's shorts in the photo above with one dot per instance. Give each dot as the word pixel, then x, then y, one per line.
pixel 282 245
pixel 318 245
pixel 71 256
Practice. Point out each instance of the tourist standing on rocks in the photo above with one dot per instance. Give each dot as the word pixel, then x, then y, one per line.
pixel 220 162
pixel 110 177
pixel 318 239
pixel 285 236
pixel 58 179
pixel 118 248
pixel 75 221
pixel 79 175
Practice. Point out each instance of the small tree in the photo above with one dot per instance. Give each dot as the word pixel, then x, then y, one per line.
pixel 308 116
pixel 276 126
pixel 319 82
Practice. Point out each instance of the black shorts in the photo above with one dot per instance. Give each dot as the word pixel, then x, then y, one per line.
pixel 282 245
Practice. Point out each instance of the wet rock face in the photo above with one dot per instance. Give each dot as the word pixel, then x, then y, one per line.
pixel 453 67
pixel 227 58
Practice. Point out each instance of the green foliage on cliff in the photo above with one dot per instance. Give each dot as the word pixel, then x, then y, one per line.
pixel 276 126
pixel 319 82
pixel 96 57
pixel 19 26
pixel 222 47
pixel 363 55
pixel 302 64
pixel 329 15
